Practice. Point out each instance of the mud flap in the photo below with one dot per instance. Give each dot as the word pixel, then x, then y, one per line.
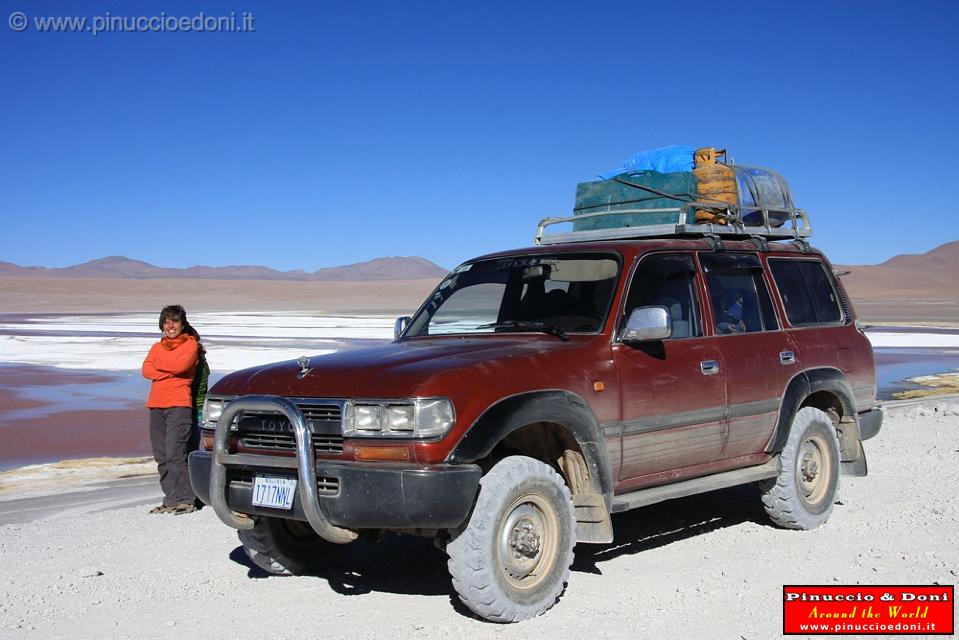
pixel 857 467
pixel 593 523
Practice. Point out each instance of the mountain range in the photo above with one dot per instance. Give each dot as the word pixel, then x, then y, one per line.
pixel 395 268
pixel 930 275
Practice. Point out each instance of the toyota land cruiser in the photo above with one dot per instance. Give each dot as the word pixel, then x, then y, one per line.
pixel 538 392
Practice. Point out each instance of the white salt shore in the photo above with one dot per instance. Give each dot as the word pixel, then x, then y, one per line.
pixel 234 341
pixel 914 340
pixel 240 340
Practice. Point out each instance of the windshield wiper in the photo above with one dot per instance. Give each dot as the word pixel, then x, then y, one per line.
pixel 532 326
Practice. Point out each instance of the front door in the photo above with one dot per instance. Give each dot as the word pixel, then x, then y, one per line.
pixel 672 390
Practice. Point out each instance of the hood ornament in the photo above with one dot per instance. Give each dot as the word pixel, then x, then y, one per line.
pixel 304 362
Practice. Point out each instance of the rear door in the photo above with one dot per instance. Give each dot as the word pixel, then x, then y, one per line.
pixel 673 390
pixel 758 357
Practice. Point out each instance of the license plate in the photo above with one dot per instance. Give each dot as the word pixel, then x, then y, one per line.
pixel 271 491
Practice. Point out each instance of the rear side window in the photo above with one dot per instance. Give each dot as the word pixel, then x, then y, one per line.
pixel 738 293
pixel 806 291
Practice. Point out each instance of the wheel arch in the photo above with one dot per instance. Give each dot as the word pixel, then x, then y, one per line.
pixel 825 389
pixel 547 418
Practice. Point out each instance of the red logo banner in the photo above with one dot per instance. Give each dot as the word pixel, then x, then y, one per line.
pixel 901 610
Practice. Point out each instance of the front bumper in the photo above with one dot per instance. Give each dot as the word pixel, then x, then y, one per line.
pixel 354 495
pixel 334 497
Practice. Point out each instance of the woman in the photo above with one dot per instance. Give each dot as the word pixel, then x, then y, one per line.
pixel 171 365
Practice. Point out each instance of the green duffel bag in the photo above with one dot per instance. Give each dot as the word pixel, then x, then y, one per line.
pixel 635 190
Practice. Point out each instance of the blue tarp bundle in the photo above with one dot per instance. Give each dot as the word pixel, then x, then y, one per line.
pixel 668 159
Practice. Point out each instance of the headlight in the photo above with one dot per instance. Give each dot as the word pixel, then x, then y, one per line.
pixel 401 418
pixel 213 409
pixel 368 417
pixel 417 418
pixel 434 416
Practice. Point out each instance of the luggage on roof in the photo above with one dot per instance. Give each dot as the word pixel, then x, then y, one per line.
pixel 740 190
pixel 634 190
pixel 705 198
pixel 669 159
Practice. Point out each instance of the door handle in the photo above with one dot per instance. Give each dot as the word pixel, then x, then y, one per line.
pixel 709 367
pixel 787 357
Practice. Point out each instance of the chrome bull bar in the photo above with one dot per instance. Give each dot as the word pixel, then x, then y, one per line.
pixel 305 466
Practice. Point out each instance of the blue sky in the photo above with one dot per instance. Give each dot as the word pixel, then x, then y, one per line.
pixel 338 132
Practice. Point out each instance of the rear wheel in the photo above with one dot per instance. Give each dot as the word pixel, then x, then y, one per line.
pixel 284 547
pixel 802 495
pixel 511 561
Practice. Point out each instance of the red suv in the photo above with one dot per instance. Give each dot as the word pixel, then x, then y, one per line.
pixel 537 392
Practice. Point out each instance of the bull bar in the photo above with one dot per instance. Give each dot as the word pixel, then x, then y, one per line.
pixel 305 466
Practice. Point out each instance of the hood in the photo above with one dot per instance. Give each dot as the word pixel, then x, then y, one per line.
pixel 392 370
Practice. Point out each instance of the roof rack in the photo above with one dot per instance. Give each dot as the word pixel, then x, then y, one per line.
pixel 796 228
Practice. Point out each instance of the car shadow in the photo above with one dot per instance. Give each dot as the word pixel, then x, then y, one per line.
pixel 396 564
pixel 662 524
pixel 413 566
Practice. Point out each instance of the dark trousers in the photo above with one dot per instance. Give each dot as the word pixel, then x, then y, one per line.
pixel 170 431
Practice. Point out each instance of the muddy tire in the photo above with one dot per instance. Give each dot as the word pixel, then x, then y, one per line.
pixel 285 547
pixel 802 495
pixel 511 560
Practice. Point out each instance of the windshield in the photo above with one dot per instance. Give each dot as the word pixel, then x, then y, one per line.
pixel 558 294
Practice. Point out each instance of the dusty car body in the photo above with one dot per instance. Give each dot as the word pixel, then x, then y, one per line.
pixel 538 391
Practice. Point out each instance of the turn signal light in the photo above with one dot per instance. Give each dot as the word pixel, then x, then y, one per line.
pixel 394 454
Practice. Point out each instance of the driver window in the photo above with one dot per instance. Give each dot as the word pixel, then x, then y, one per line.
pixel 668 281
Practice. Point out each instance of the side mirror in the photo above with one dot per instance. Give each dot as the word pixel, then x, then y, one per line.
pixel 647 323
pixel 400 326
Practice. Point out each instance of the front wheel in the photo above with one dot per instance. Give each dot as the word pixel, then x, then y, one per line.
pixel 511 560
pixel 802 495
pixel 285 547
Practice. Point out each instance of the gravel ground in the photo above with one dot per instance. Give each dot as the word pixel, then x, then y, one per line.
pixel 703 567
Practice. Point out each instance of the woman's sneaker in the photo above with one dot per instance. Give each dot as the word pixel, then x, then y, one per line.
pixel 186 507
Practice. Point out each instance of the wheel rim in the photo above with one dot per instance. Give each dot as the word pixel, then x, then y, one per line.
pixel 526 545
pixel 813 469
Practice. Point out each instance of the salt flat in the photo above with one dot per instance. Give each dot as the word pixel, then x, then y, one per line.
pixel 233 340
pixel 916 339
pixel 118 342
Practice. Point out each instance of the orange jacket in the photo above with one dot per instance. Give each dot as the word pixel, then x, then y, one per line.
pixel 172 373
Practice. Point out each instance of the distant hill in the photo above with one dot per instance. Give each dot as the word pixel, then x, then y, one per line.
pixel 412 268
pixel 933 275
pixel 940 262
pixel 396 268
